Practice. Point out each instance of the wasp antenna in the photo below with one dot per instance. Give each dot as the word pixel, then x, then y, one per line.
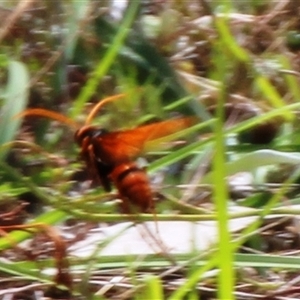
pixel 48 114
pixel 98 106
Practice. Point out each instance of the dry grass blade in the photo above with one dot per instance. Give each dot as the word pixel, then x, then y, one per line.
pixel 22 6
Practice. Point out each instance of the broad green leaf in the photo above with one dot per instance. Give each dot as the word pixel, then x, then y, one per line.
pixel 251 161
pixel 15 100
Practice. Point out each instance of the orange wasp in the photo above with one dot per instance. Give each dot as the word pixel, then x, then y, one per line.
pixel 109 156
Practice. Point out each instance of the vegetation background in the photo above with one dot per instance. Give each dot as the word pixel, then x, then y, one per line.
pixel 235 66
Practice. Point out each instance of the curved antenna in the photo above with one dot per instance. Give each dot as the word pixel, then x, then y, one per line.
pixel 98 106
pixel 48 114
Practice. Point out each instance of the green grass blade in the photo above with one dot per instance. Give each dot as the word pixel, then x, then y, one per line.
pixel 26 271
pixel 291 79
pixel 18 236
pixel 229 41
pixel 226 278
pixel 153 288
pixel 108 59
pixel 270 93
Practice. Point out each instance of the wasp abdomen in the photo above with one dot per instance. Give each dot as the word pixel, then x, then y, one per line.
pixel 133 185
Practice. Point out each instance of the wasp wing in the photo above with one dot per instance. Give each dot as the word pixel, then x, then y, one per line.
pixel 121 146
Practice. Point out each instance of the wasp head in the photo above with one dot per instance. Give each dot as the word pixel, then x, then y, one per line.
pixel 88 133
